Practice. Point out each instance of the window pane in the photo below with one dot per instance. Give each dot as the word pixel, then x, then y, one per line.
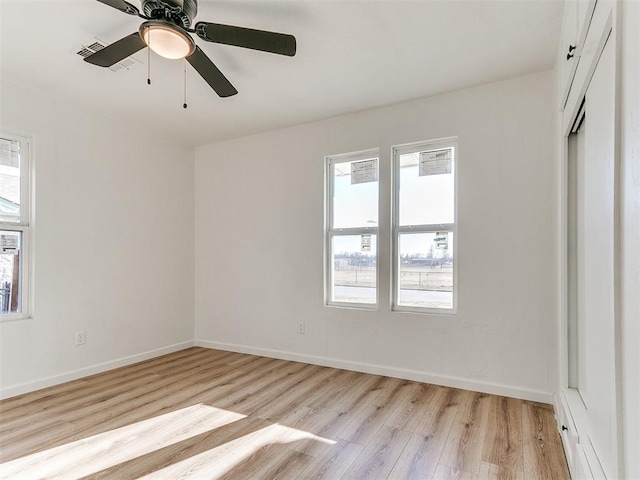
pixel 9 180
pixel 355 194
pixel 353 259
pixel 426 187
pixel 426 270
pixel 10 246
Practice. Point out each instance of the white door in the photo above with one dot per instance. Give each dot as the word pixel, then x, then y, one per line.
pixel 595 262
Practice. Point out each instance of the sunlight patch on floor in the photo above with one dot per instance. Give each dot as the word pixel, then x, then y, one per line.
pixel 214 463
pixel 96 453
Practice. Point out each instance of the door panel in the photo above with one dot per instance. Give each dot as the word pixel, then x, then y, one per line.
pixel 595 262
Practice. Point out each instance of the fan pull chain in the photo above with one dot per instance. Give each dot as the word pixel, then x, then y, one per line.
pixel 149 65
pixel 184 105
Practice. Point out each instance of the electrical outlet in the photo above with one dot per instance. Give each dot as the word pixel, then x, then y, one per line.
pixel 81 337
pixel 300 327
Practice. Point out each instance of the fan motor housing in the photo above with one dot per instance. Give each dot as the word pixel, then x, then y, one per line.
pixel 182 12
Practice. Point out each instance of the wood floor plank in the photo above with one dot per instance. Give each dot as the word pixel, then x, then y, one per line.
pixel 202 413
pixel 410 407
pixel 345 392
pixel 542 447
pixel 439 411
pixel 94 389
pixel 165 457
pixel 419 459
pixel 444 472
pixel 289 467
pixel 115 411
pixel 322 422
pixel 333 464
pixel 268 461
pixel 490 471
pixel 210 456
pixel 463 450
pixel 112 411
pixel 270 388
pixel 42 396
pixel 379 456
pixel 503 442
pixel 374 411
pixel 103 387
pixel 300 393
pixel 122 444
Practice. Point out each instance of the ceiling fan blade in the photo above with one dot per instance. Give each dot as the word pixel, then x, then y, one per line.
pixel 271 42
pixel 121 5
pixel 214 77
pixel 117 51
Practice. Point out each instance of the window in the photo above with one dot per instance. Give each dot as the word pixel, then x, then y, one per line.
pixel 14 225
pixel 352 229
pixel 424 224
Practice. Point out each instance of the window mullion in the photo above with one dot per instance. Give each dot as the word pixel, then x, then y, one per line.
pixel 439 227
pixel 354 231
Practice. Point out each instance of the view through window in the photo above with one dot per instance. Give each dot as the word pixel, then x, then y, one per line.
pixel 423 230
pixel 14 223
pixel 352 229
pixel 424 226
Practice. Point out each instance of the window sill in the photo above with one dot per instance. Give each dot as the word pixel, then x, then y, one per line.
pixel 370 307
pixel 13 317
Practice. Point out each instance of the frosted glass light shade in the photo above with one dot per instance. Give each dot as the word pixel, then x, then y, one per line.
pixel 167 41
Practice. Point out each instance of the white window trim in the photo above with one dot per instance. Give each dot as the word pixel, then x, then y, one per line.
pixel 22 226
pixel 331 232
pixel 396 152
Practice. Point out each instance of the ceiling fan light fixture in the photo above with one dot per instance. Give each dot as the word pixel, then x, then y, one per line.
pixel 167 40
pixel 167 31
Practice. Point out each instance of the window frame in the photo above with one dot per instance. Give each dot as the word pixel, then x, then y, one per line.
pixel 23 225
pixel 331 232
pixel 397 229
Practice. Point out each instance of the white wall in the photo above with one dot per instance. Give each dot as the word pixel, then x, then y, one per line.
pixel 112 245
pixel 259 244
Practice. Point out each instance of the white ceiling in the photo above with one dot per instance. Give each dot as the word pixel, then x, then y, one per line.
pixel 352 55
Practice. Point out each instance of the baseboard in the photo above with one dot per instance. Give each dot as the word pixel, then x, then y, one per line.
pixel 415 375
pixel 91 370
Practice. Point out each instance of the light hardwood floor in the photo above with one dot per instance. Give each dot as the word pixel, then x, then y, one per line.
pixel 202 413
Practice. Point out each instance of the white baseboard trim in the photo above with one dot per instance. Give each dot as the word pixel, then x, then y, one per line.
pixel 27 387
pixel 415 375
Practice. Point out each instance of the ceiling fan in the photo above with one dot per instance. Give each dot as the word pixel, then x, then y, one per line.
pixel 166 30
